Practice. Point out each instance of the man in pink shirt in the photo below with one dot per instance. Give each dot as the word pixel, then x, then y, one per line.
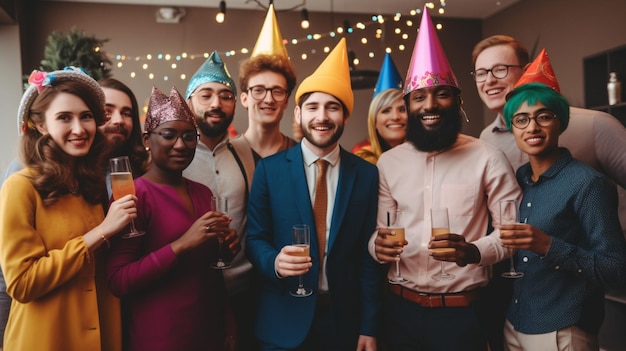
pixel 439 167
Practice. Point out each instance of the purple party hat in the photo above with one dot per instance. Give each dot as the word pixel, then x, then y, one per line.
pixel 429 65
pixel 163 108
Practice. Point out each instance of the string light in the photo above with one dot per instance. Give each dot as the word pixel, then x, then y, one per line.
pixel 122 61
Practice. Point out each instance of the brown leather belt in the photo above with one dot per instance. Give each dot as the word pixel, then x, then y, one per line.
pixel 460 299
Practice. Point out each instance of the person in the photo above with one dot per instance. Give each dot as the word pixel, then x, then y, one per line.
pixel 52 221
pixel 386 120
pixel 593 137
pixel 175 301
pixel 438 167
pixel 122 129
pixel 569 246
pixel 341 314
pixel 225 165
pixel 266 80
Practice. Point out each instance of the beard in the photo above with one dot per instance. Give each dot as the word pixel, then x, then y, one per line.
pixel 322 143
pixel 434 140
pixel 212 129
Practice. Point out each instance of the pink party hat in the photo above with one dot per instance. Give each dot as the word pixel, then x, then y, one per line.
pixel 163 108
pixel 429 65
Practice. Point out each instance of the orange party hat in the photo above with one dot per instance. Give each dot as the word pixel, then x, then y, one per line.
pixel 540 71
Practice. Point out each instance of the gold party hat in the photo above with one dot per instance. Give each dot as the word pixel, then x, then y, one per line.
pixel 270 41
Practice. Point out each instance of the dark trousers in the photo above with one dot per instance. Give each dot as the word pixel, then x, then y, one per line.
pixel 496 298
pixel 245 305
pixel 408 326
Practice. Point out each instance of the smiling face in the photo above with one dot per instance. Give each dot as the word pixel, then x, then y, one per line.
pixel 266 111
pixel 70 123
pixel 391 122
pixel 537 141
pixel 118 116
pixel 213 104
pixel 322 119
pixel 494 90
pixel 172 145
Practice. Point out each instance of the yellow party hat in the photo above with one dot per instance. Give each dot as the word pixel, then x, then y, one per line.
pixel 270 41
pixel 331 77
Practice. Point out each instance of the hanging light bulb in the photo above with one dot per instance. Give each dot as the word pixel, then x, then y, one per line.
pixel 221 15
pixel 305 19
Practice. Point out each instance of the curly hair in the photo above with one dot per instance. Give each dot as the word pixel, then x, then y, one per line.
pixel 55 170
pixel 133 147
pixel 275 63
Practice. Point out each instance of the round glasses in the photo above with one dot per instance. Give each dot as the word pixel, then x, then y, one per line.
pixel 190 139
pixel 206 96
pixel 259 92
pixel 543 119
pixel 498 71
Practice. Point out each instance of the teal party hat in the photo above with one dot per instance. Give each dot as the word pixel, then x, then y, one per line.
pixel 212 70
pixel 389 77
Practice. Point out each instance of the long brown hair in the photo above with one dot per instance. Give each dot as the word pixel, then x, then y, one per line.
pixel 53 167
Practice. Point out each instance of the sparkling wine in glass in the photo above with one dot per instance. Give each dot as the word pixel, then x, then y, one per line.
pixel 122 184
pixel 301 238
pixel 220 204
pixel 440 224
pixel 509 214
pixel 394 223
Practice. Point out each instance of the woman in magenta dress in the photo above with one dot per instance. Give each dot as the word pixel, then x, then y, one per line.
pixel 173 299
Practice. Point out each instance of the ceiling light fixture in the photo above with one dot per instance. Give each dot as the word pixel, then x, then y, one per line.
pixel 305 19
pixel 169 14
pixel 221 15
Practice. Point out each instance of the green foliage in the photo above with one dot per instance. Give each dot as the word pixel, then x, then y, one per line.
pixel 75 49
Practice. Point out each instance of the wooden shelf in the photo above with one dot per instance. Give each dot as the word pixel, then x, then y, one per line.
pixel 596 75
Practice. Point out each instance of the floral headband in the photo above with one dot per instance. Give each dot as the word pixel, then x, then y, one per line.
pixel 39 80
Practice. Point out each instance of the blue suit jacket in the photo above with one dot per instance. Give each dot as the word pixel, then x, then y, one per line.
pixel 279 198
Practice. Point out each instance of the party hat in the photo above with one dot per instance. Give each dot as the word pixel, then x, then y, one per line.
pixel 270 41
pixel 212 70
pixel 162 108
pixel 429 65
pixel 540 71
pixel 331 77
pixel 389 77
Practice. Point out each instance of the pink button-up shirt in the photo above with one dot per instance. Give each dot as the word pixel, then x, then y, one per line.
pixel 469 179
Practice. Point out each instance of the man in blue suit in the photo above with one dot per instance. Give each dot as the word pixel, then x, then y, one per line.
pixel 342 312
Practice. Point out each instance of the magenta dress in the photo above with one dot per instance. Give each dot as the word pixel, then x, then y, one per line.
pixel 171 302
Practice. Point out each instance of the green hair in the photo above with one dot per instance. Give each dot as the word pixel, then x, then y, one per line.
pixel 532 93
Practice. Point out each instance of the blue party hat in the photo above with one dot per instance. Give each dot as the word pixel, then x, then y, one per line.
pixel 212 70
pixel 389 77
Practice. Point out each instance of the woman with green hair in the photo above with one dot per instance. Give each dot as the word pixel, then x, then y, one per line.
pixel 569 244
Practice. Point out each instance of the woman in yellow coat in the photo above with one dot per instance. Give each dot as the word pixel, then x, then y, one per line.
pixel 53 231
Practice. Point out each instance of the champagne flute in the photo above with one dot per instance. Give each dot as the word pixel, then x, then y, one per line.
pixel 440 224
pixel 395 224
pixel 122 184
pixel 220 204
pixel 509 214
pixel 301 238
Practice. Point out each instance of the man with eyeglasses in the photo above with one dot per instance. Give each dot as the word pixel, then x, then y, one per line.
pixel 266 81
pixel 593 137
pixel 226 166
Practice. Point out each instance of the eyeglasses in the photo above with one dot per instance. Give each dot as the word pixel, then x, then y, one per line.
pixel 206 96
pixel 543 119
pixel 498 72
pixel 259 92
pixel 170 137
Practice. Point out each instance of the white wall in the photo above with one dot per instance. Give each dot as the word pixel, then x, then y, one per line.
pixel 11 76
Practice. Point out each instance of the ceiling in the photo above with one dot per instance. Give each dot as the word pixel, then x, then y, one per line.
pixel 479 9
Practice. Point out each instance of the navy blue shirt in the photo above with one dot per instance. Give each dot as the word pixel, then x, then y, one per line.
pixel 577 207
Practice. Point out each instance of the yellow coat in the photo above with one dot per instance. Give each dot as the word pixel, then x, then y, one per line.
pixel 60 298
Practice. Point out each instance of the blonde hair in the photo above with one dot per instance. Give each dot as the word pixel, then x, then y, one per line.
pixel 381 101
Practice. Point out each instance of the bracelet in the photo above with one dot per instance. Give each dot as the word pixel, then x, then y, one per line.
pixel 105 241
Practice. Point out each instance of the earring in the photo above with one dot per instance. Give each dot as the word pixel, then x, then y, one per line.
pixel 147 148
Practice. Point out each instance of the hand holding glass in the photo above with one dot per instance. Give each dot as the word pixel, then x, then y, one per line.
pixel 440 225
pixel 220 204
pixel 509 214
pixel 301 238
pixel 395 224
pixel 122 184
